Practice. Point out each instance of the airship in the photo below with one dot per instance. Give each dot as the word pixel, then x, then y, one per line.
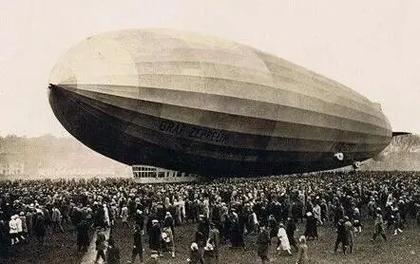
pixel 199 104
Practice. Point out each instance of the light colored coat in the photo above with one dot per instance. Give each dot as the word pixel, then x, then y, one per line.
pixel 317 212
pixel 284 241
pixel 13 228
pixel 56 215
pixel 19 225
pixel 124 214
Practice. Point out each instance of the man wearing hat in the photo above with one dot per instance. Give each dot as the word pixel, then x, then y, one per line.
pixel 137 244
pixel 124 215
pixel 29 218
pixel 22 218
pixel 39 226
pixel 168 240
pixel 56 219
pixel 155 236
pixel 342 237
pixel 263 244
pixel 349 233
pixel 82 235
pixel 214 242
pixel 139 220
pixel 112 252
pixel 169 222
pixel 203 227
pixel 100 245
pixel 311 226
pixel 379 225
pixel 290 231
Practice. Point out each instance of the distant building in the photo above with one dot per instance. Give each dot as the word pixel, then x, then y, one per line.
pixel 150 174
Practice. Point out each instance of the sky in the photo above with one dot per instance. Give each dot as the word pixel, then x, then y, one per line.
pixel 370 46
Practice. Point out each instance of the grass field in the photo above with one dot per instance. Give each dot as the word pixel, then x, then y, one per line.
pixel 403 248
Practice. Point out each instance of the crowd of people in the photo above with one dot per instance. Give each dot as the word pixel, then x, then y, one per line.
pixel 222 212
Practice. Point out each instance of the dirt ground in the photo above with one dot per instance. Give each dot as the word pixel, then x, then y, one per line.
pixel 404 248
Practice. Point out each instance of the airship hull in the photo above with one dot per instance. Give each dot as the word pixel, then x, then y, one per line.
pixel 196 104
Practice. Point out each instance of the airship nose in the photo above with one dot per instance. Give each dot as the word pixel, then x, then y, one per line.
pixel 89 69
pixel 85 72
pixel 55 98
pixel 53 93
pixel 51 86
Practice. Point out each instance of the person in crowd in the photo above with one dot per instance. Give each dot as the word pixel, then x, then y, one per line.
pixel 56 219
pixel 201 241
pixel 155 237
pixel 29 220
pixel 349 229
pixel 317 213
pixel 252 222
pixel 19 225
pixel 297 209
pixel 214 238
pixel 124 216
pixel 357 226
pixel 311 231
pixel 203 227
pixel 236 233
pixel 112 252
pixel 195 256
pixel 169 222
pixel 100 245
pixel 99 216
pixel 40 227
pixel 396 222
pixel 113 214
pixel 324 211
pixel 379 225
pixel 107 216
pixel 13 230
pixel 83 236
pixel 290 231
pixel 137 244
pixel 417 212
pixel 4 240
pixel 168 240
pixel 339 211
pixel 342 237
pixel 23 220
pixel 372 205
pixel 303 257
pixel 211 250
pixel 283 241
pixel 263 244
pixel 139 220
pixel 273 226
